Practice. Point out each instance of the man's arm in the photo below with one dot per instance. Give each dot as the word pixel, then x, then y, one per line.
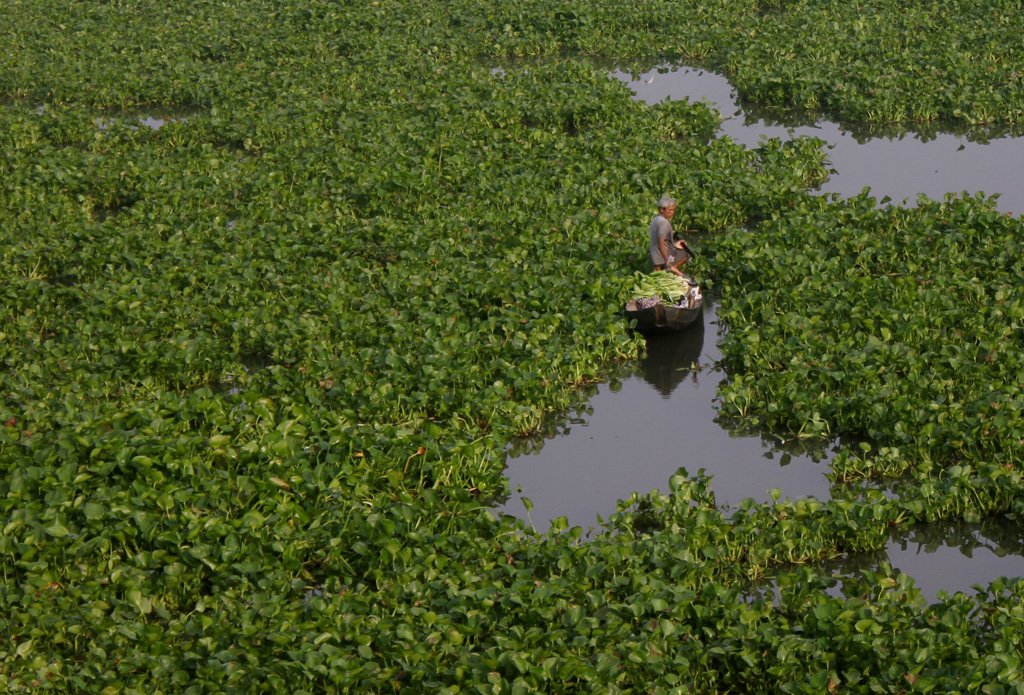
pixel 663 248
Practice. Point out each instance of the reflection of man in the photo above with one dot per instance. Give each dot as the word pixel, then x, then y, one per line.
pixel 664 253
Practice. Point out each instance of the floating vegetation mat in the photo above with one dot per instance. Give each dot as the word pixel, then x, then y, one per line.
pixel 426 258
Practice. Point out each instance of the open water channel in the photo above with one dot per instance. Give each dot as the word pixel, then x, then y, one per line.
pixel 659 414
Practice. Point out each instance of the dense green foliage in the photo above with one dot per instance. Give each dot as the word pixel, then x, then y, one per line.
pixel 260 364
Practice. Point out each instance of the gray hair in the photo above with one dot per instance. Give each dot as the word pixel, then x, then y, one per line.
pixel 666 202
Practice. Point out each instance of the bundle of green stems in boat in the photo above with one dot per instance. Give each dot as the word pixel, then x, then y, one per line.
pixel 666 287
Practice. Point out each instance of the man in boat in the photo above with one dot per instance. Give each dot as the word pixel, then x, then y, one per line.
pixel 666 253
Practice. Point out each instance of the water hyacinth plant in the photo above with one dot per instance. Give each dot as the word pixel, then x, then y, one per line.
pixel 260 365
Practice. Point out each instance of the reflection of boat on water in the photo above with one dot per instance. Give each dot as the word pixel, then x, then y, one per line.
pixel 670 357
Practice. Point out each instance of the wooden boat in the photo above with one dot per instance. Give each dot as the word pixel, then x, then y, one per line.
pixel 662 318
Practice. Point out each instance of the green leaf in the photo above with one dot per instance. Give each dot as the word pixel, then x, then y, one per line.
pixel 56 529
pixel 253 520
pixel 93 511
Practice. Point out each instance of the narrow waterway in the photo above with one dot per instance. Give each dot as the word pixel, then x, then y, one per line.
pixel 897 166
pixel 659 415
pixel 655 417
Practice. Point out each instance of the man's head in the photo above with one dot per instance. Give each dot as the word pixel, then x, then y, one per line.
pixel 667 206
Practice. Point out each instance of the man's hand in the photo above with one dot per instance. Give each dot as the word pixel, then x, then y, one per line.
pixel 682 246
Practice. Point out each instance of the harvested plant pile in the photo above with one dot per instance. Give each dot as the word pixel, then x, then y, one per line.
pixel 659 287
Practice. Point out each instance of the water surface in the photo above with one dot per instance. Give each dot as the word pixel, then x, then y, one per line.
pixel 900 166
pixel 659 415
pixel 946 556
